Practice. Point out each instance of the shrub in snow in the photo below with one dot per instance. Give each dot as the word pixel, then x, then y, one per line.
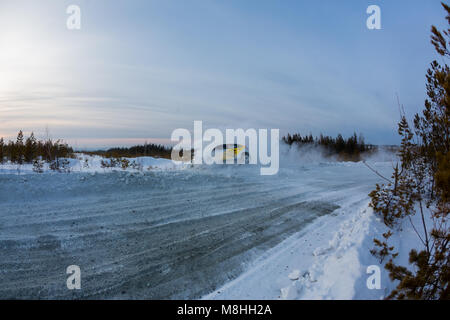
pixel 65 166
pixel 38 166
pixel 124 163
pixel 60 165
pixel 109 163
pixel 136 165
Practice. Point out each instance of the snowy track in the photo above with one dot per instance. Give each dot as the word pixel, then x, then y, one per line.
pixel 158 235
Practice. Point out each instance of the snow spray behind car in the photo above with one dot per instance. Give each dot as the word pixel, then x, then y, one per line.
pixel 234 151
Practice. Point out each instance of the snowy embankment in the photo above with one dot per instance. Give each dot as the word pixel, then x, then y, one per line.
pixel 93 164
pixel 324 261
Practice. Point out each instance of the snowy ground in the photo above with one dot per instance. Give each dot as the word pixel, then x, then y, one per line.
pixel 92 164
pixel 171 231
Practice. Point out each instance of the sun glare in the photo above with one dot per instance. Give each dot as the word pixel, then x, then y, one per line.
pixel 21 57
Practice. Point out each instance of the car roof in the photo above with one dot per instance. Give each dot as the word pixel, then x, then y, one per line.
pixel 228 146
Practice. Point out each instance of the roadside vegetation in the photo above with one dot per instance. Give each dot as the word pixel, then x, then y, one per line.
pixel 350 149
pixel 55 153
pixel 420 185
pixel 145 150
pixel 37 152
pixel 119 157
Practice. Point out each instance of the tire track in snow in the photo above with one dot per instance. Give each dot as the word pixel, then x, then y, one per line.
pixel 170 235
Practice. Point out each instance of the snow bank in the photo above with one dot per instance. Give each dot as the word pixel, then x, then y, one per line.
pixel 337 265
pixel 323 262
pixel 93 164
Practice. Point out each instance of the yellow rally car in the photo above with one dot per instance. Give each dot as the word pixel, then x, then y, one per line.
pixel 237 152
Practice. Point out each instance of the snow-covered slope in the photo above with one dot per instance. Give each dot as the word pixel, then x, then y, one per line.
pixel 90 164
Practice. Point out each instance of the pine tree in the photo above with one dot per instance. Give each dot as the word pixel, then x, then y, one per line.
pixel 20 147
pixel 12 150
pixel 48 150
pixel 340 143
pixel 30 148
pixel 361 144
pixel 2 155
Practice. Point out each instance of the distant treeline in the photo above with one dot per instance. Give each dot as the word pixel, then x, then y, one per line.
pixel 347 149
pixel 30 149
pixel 145 150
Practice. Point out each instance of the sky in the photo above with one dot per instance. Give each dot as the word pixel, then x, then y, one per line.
pixel 137 70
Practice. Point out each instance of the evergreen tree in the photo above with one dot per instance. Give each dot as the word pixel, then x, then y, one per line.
pixel 2 155
pixel 48 150
pixel 349 149
pixel 12 151
pixel 20 147
pixel 30 148
pixel 422 184
pixel 340 143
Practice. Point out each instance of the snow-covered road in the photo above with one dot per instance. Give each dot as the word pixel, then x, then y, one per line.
pixel 171 233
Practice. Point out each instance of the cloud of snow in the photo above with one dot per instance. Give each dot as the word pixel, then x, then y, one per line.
pixel 302 155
